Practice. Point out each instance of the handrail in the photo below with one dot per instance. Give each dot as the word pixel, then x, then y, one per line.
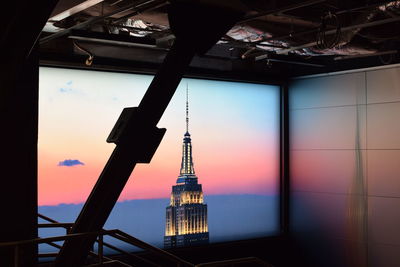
pixel 56 238
pixel 67 227
pixel 128 239
pixel 48 255
pixel 59 247
pixel 231 262
pixel 139 243
pixel 120 235
pixel 131 255
pixel 55 225
pixel 46 218
pixel 47 240
pixel 115 233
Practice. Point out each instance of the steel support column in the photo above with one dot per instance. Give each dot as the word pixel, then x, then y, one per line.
pixel 19 126
pixel 284 162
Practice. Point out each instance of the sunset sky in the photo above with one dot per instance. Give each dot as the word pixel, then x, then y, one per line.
pixel 234 128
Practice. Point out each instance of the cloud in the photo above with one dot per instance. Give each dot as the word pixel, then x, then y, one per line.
pixel 70 163
pixel 65 90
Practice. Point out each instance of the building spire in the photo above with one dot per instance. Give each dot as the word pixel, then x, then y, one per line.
pixel 187 108
pixel 187 160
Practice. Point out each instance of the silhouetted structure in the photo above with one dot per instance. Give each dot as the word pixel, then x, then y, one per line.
pixel 186 217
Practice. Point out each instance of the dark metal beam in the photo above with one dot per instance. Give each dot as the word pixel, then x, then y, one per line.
pixel 125 156
pixel 19 120
pixel 284 162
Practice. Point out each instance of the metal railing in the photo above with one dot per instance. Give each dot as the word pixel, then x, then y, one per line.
pixel 100 241
pixel 250 261
pixel 119 235
pixel 101 258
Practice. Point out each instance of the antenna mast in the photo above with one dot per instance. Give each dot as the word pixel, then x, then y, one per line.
pixel 187 108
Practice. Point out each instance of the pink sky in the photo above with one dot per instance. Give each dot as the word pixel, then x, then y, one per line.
pixel 234 129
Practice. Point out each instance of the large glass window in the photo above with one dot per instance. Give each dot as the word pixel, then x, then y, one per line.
pixel 234 148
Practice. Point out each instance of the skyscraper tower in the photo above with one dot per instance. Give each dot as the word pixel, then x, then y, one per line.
pixel 186 216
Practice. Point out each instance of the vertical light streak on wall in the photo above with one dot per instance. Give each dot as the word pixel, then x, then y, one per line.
pixel 357 207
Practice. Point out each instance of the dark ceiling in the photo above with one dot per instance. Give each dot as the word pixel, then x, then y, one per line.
pixel 274 40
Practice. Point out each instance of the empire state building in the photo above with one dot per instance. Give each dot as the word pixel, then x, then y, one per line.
pixel 186 216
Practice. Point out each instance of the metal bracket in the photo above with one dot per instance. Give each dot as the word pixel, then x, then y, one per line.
pixel 140 137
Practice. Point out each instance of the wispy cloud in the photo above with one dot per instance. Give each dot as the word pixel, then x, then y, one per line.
pixel 70 163
pixel 67 88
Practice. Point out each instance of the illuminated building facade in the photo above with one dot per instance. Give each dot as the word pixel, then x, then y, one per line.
pixel 186 216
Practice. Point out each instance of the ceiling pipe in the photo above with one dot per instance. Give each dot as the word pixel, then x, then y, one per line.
pixel 375 5
pixel 275 11
pixel 142 5
pixel 290 35
pixel 249 45
pixel 281 10
pixel 116 2
pixel 294 62
pixel 134 28
pixel 136 12
pixel 270 58
pixel 390 52
pixel 348 28
pixel 114 42
pixel 314 30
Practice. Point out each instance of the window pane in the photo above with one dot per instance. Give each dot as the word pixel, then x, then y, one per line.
pixel 234 138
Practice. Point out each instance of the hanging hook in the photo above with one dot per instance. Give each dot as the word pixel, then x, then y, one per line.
pixel 89 60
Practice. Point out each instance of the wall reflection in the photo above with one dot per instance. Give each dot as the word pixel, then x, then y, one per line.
pixel 357 214
pixel 345 164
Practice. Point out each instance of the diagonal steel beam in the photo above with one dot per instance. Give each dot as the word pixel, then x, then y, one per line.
pixel 135 133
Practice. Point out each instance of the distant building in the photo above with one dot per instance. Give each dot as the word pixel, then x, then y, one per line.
pixel 186 216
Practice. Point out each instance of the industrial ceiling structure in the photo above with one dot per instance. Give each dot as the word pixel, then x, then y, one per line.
pixel 279 39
